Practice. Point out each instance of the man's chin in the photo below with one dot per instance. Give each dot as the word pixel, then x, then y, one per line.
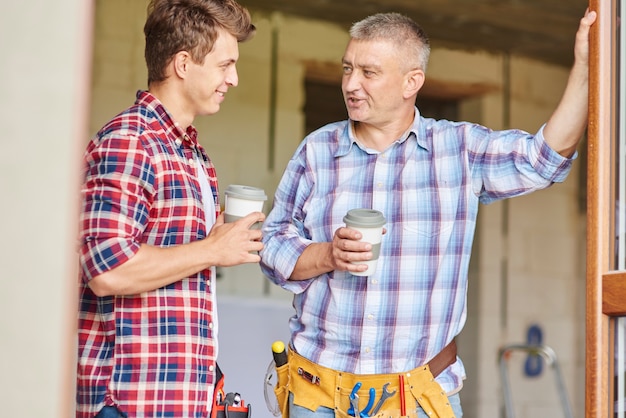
pixel 210 110
pixel 355 116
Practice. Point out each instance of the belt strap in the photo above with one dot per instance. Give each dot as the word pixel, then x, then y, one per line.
pixel 443 359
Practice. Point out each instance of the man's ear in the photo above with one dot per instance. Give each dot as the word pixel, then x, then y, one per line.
pixel 413 82
pixel 180 64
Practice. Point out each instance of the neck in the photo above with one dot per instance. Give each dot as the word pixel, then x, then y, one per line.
pixel 173 103
pixel 380 137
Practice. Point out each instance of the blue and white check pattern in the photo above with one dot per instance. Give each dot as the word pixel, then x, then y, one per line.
pixel 428 184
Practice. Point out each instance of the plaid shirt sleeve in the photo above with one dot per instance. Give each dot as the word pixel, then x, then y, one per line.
pixel 512 162
pixel 117 195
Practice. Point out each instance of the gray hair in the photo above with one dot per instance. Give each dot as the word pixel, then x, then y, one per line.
pixel 398 29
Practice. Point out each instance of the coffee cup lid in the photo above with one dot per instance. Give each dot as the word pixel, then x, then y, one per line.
pixel 364 218
pixel 245 192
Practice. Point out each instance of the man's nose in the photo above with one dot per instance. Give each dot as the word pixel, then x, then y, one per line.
pixel 352 81
pixel 232 78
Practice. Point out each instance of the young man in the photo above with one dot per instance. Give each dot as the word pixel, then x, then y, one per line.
pixel 150 226
pixel 427 177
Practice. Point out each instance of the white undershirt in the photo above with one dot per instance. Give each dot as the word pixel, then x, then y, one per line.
pixel 209 211
pixel 207 194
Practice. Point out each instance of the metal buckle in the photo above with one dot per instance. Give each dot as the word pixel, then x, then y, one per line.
pixel 308 376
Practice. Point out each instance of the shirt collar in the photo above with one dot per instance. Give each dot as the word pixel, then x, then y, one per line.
pixel 174 132
pixel 347 139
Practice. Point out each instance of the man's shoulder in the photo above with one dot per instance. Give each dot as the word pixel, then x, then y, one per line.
pixel 448 131
pixel 331 132
pixel 133 121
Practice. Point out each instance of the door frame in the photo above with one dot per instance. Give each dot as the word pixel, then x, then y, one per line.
pixel 606 288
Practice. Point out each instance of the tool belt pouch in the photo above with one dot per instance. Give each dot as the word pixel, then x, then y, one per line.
pixel 429 394
pixel 227 405
pixel 282 389
pixel 314 386
pixel 231 411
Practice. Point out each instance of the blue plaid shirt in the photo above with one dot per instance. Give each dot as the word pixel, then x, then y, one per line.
pixel 428 184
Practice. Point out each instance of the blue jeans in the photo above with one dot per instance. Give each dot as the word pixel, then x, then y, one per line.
pixel 296 411
pixel 110 412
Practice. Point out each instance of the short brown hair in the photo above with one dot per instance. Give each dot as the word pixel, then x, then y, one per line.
pixel 190 25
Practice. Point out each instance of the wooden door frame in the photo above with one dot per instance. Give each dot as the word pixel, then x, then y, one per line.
pixel 603 285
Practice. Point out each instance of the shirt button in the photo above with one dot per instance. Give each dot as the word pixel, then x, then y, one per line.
pixel 190 161
pixel 374 281
pixel 370 317
pixel 367 349
pixel 210 325
pixel 211 368
pixel 379 185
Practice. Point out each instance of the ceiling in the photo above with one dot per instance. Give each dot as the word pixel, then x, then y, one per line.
pixel 540 29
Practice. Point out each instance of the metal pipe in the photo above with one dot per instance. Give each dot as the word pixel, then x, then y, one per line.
pixel 550 357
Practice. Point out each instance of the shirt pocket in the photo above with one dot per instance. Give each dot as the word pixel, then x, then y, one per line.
pixel 428 229
pixel 429 213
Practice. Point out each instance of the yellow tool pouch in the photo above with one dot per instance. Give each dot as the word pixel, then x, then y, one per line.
pixel 428 393
pixel 313 386
pixel 282 389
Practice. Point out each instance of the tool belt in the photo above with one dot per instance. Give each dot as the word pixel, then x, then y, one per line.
pixel 313 386
pixel 227 405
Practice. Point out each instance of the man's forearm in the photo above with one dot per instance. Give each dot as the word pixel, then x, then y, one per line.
pixel 568 122
pixel 316 259
pixel 151 268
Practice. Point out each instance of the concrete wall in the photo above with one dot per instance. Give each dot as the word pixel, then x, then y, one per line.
pixel 44 73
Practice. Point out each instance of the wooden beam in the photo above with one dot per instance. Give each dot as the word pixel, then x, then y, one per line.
pixel 614 294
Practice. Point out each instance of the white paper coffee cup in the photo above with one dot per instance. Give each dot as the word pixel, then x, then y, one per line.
pixel 369 222
pixel 240 201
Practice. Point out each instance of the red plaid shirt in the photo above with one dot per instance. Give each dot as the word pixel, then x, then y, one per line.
pixel 152 354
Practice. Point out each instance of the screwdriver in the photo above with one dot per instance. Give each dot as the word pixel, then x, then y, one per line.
pixel 279 353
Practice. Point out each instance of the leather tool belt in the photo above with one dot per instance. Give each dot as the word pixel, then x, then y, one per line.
pixel 313 386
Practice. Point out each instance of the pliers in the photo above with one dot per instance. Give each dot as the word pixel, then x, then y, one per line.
pixel 354 402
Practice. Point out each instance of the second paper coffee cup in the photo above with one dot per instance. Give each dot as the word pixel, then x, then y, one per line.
pixel 242 200
pixel 369 222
